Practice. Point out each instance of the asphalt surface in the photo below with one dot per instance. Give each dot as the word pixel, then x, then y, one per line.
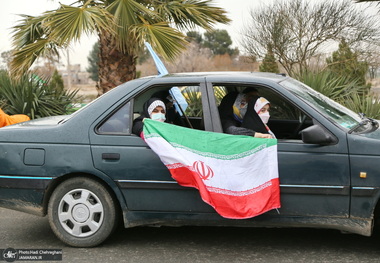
pixel 194 244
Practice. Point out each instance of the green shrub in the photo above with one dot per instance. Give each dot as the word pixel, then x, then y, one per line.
pixel 193 98
pixel 368 104
pixel 34 98
pixel 344 90
pixel 329 84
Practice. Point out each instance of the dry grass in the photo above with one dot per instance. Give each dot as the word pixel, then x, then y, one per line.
pixel 86 92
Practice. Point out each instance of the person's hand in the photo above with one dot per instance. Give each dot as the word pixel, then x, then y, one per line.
pixel 263 135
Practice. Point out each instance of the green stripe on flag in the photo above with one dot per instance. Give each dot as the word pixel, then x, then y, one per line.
pixel 208 143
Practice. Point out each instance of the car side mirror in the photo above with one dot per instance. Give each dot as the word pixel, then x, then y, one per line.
pixel 316 134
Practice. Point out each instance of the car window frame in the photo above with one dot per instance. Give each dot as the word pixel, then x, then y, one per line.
pixel 162 83
pixel 214 108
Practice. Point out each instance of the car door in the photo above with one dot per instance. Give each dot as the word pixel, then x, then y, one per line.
pixel 143 179
pixel 314 179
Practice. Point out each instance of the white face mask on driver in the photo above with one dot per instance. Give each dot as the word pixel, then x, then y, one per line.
pixel 264 117
pixel 158 117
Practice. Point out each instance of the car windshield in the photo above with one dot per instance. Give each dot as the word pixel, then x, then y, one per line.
pixel 334 111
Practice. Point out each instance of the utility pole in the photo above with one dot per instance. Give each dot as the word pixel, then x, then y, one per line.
pixel 68 69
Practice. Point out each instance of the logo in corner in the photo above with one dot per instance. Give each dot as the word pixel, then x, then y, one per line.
pixel 204 171
pixel 10 254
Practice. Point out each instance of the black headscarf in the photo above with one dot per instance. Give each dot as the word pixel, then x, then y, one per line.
pixel 225 107
pixel 251 120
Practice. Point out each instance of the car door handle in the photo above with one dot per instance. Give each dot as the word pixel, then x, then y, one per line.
pixel 111 156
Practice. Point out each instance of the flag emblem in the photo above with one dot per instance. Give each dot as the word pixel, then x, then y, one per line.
pixel 205 172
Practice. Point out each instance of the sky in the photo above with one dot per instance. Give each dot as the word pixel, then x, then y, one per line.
pixel 237 11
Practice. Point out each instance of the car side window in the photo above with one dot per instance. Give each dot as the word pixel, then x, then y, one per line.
pixel 118 122
pixel 281 109
pixel 191 116
pixel 286 120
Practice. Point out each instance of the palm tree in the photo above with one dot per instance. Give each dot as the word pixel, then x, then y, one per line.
pixel 122 27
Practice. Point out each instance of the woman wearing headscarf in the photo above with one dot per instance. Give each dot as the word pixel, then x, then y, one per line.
pixel 154 109
pixel 6 119
pixel 172 116
pixel 238 115
pixel 258 117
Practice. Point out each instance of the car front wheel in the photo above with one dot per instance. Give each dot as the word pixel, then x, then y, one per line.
pixel 82 212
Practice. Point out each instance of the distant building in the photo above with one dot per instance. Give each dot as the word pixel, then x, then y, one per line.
pixel 76 77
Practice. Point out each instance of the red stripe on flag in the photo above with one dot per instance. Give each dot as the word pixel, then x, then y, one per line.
pixel 231 204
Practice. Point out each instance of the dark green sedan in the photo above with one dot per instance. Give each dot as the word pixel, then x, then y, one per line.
pixel 88 171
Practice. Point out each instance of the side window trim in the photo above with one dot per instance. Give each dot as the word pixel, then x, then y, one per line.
pixel 208 124
pixel 214 113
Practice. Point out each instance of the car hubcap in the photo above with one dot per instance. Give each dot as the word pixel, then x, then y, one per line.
pixel 80 213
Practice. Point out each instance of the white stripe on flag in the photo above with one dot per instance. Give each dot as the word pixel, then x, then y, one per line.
pixel 230 175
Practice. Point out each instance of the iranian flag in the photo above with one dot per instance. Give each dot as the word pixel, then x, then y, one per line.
pixel 237 175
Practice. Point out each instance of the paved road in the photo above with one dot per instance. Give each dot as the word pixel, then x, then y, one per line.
pixel 195 244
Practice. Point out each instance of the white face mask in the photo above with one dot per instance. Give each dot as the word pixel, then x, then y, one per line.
pixel 158 117
pixel 264 117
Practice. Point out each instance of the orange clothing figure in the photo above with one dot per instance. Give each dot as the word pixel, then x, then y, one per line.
pixel 6 119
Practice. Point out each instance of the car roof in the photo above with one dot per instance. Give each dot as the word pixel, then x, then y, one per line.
pixel 226 75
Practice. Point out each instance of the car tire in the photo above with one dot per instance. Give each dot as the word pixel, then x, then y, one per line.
pixel 82 213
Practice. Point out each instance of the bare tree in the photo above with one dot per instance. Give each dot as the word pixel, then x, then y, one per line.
pixel 195 58
pixel 297 30
pixel 370 54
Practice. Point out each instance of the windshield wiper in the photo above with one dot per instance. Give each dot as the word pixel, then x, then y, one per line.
pixel 365 120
